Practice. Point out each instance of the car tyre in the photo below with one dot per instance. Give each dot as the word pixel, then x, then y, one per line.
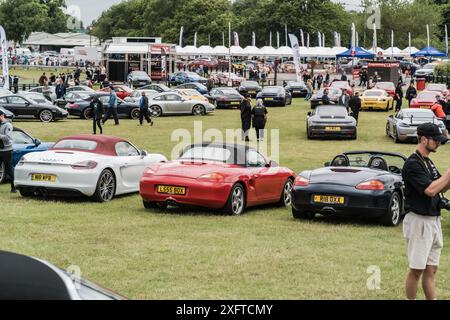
pixel 26 193
pixel 134 114
pixel 156 111
pixel 303 215
pixel 236 201
pixel 87 114
pixel 2 173
pixel 106 187
pixel 387 107
pixel 286 194
pixel 46 116
pixel 396 138
pixel 394 212
pixel 387 129
pixel 198 110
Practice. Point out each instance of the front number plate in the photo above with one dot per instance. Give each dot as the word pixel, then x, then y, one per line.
pixel 329 199
pixel 172 190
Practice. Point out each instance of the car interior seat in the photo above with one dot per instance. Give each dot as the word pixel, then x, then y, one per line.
pixel 377 162
pixel 340 160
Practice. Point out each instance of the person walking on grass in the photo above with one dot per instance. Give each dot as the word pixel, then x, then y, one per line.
pixel 246 117
pixel 259 114
pixel 6 149
pixel 112 107
pixel 143 110
pixel 97 114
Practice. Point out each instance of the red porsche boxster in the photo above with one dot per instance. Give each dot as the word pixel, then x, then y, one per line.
pixel 424 99
pixel 219 176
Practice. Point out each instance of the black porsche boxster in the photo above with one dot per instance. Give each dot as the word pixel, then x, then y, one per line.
pixel 364 184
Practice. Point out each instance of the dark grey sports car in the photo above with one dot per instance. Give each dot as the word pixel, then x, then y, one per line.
pixel 333 94
pixel 251 88
pixel 365 184
pixel 330 121
pixel 275 96
pixel 297 89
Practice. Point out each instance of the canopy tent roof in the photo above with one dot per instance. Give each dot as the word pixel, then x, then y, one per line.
pixel 410 50
pixel 393 51
pixel 221 51
pixel 355 52
pixel 252 51
pixel 429 52
pixel 188 51
pixel 237 51
pixel 205 50
pixel 284 51
pixel 133 48
pixel 268 51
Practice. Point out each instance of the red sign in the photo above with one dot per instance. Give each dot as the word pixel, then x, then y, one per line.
pixel 383 65
pixel 156 48
pixel 355 74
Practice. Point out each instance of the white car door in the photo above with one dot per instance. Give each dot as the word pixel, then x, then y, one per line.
pixel 132 165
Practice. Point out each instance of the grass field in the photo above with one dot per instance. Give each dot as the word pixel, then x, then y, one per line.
pixel 264 254
pixel 31 75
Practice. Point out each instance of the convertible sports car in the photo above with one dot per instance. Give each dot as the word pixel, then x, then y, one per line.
pixel 122 91
pixel 27 108
pixel 226 97
pixel 9 115
pixel 376 99
pixel 275 95
pixel 224 177
pixel 156 87
pixel 297 89
pixel 168 103
pixel 186 77
pixel 338 84
pixel 251 88
pixel 333 94
pixel 424 99
pixel 330 121
pixel 389 87
pixel 49 92
pixel 202 89
pixel 192 94
pixel 100 167
pixel 403 125
pixel 29 278
pixel 357 183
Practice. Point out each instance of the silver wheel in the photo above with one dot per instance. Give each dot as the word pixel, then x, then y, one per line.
pixel 287 195
pixel 2 172
pixel 198 110
pixel 106 186
pixel 87 113
pixel 396 209
pixel 237 201
pixel 46 116
pixel 134 114
pixel 156 111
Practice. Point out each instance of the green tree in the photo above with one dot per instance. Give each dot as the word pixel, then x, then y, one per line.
pixel 56 18
pixel 22 17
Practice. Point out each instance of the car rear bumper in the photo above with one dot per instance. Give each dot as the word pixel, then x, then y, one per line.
pixel 83 181
pixel 198 193
pixel 273 101
pixel 322 132
pixel 228 104
pixel 357 202
pixel 299 92
pixel 374 105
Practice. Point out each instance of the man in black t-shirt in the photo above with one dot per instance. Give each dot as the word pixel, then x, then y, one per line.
pixel 422 223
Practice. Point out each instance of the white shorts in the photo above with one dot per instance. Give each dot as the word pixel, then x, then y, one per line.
pixel 424 237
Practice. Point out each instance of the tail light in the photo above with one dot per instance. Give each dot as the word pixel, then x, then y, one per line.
pixel 371 185
pixel 217 177
pixel 73 105
pixel 149 171
pixel 301 182
pixel 84 165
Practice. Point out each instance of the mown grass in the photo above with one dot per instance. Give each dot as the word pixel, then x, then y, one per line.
pixel 190 254
pixel 31 75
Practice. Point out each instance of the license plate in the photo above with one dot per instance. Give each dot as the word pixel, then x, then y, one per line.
pixel 424 107
pixel 329 199
pixel 334 129
pixel 43 177
pixel 252 92
pixel 269 99
pixel 172 190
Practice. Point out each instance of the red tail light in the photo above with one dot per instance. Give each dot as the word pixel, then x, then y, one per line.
pixel 371 185
pixel 301 182
pixel 73 105
pixel 85 165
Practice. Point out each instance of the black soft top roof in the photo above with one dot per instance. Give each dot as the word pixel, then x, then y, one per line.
pixel 26 278
pixel 373 153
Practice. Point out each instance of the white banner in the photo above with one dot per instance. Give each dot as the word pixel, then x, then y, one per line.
pixel 253 39
pixel 5 67
pixel 195 39
pixel 446 40
pixel 181 37
pixel 302 37
pixel 236 39
pixel 278 40
pixel 296 53
pixel 307 40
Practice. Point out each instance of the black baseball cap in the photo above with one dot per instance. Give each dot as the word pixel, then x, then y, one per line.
pixel 431 130
pixel 2 113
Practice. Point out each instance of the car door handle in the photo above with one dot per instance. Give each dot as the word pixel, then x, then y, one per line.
pixel 256 176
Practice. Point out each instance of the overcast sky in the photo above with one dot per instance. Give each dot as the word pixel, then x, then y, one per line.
pixel 90 9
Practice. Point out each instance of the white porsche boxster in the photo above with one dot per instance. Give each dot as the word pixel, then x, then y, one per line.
pixel 95 166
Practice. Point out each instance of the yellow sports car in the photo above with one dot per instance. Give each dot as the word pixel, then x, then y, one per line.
pixel 376 99
pixel 192 94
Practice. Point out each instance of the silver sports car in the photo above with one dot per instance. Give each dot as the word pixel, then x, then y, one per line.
pixel 330 121
pixel 403 125
pixel 168 103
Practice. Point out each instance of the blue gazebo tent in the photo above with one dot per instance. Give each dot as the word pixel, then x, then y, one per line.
pixel 429 52
pixel 356 52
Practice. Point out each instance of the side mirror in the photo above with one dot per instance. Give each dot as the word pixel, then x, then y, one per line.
pixel 327 164
pixel 309 114
pixel 144 153
pixel 37 142
pixel 391 116
pixel 272 164
pixel 27 104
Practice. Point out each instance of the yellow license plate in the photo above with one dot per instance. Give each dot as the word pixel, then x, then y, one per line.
pixel 332 128
pixel 172 190
pixel 235 102
pixel 268 99
pixel 425 107
pixel 43 177
pixel 329 199
pixel 252 92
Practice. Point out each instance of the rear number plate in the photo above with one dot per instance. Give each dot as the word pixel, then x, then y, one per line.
pixel 172 190
pixel 332 128
pixel 43 177
pixel 329 199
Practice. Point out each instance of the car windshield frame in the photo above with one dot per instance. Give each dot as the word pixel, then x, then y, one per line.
pixel 192 156
pixel 331 111
pixel 90 145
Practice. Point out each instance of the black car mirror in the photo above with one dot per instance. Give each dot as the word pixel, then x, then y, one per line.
pixel 272 164
pixel 144 153
pixel 27 103
pixel 391 116
pixel 37 142
pixel 326 164
pixel 309 114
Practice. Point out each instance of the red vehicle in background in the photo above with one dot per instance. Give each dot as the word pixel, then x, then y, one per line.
pixel 424 100
pixel 121 90
pixel 205 62
pixel 389 87
pixel 339 84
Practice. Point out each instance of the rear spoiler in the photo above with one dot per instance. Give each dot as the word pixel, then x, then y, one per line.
pixel 435 119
